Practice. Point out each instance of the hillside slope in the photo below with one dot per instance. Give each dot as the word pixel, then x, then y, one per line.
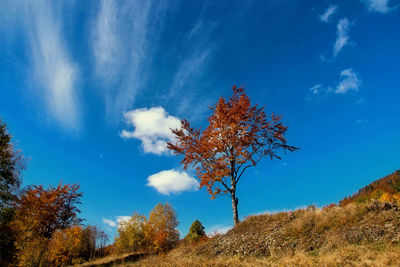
pixel 384 189
pixel 359 234
pixel 362 231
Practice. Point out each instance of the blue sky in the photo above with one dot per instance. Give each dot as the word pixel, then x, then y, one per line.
pixel 90 88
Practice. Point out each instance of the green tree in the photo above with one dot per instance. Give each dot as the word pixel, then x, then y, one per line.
pixel 196 231
pixel 11 166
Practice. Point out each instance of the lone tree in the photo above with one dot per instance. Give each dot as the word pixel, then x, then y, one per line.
pixel 238 136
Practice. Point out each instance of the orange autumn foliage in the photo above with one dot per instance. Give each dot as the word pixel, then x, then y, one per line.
pixel 238 136
pixel 39 213
pixel 65 245
pixel 161 227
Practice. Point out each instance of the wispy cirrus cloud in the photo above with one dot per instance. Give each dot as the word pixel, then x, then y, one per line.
pixel 53 74
pixel 350 82
pixel 122 34
pixel 106 41
pixel 329 12
pixel 198 47
pixel 342 36
pixel 380 6
pixel 152 127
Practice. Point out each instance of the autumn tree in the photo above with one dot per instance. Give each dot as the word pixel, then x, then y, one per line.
pixel 39 213
pixel 131 234
pixel 93 242
pixel 238 136
pixel 161 227
pixel 65 245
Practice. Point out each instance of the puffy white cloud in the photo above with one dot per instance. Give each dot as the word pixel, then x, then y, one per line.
pixel 343 28
pixel 121 219
pixel 325 17
pixel 381 6
pixel 117 222
pixel 172 181
pixel 109 222
pixel 152 127
pixel 350 82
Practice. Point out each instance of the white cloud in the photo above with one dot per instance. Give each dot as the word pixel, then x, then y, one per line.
pixel 123 38
pixel 152 127
pixel 54 73
pixel 121 219
pixel 172 181
pixel 316 89
pixel 109 222
pixel 325 17
pixel 117 222
pixel 107 47
pixel 218 229
pixel 350 82
pixel 197 48
pixel 343 28
pixel 189 69
pixel 381 6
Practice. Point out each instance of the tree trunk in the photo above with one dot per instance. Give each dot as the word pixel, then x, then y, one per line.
pixel 235 202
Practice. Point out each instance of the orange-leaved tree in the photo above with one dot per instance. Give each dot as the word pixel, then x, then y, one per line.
pixel 238 136
pixel 161 227
pixel 39 213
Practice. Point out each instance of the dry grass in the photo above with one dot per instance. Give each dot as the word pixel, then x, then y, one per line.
pixel 352 255
pixel 355 235
pixel 113 260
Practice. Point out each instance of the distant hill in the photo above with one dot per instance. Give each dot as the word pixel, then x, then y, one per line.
pixel 386 189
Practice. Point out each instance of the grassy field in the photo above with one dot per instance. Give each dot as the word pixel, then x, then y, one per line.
pixel 358 234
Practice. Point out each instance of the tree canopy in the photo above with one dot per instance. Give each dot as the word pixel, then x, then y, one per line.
pixel 238 136
pixel 11 166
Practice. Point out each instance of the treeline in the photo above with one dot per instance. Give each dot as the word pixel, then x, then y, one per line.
pixel 156 233
pixel 384 189
pixel 39 226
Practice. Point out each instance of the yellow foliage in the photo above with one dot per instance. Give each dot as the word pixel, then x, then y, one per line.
pixel 65 245
pixel 162 227
pixel 131 234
